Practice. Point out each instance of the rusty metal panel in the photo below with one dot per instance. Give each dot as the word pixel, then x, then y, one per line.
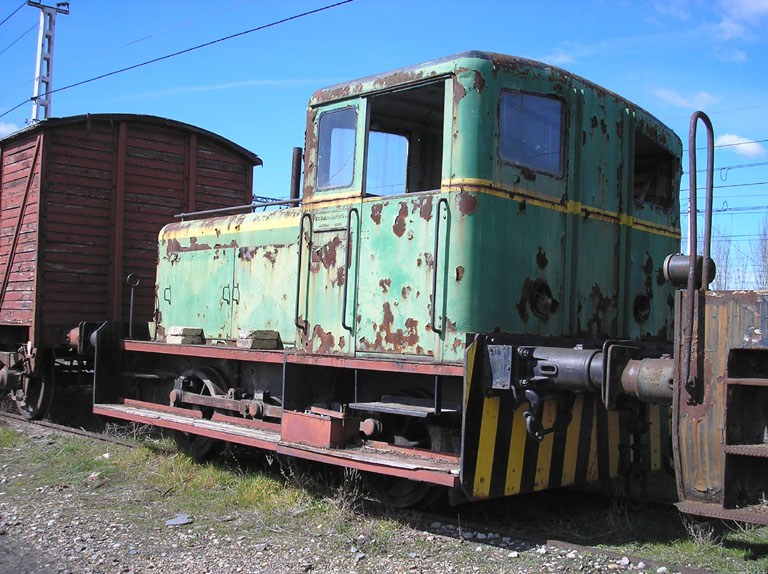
pixel 721 446
pixel 229 274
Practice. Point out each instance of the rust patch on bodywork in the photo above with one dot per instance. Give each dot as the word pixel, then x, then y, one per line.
pixel 528 173
pixel 376 213
pixel 385 284
pixel 327 253
pixel 270 256
pixel 324 340
pixel 648 270
pixel 399 226
pixel 467 202
pixel 393 341
pixel 459 273
pixel 175 247
pixel 340 276
pixel 248 253
pixel 600 306
pixel 541 258
pixel 479 82
pixel 458 91
pixel 424 206
pixel 405 291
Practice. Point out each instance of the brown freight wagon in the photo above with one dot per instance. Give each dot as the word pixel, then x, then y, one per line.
pixel 82 200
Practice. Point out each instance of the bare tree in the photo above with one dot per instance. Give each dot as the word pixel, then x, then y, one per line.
pixel 721 253
pixel 759 255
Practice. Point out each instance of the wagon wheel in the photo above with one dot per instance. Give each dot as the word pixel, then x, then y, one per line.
pixel 204 381
pixel 34 398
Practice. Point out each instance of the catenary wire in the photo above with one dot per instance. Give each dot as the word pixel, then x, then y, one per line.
pixel 12 14
pixel 131 43
pixel 185 51
pixel 4 50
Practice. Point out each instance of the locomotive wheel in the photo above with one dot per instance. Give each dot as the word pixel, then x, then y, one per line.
pixel 205 381
pixel 400 492
pixel 34 398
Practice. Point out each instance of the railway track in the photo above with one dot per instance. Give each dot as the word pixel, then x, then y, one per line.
pixel 67 430
pixel 443 522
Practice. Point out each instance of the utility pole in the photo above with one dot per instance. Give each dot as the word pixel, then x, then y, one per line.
pixel 41 100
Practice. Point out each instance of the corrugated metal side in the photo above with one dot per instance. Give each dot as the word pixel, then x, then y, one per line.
pixel 19 185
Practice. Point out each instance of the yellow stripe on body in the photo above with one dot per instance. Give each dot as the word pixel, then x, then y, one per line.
pixel 488 187
pixel 210 230
pixel 572 443
pixel 516 453
pixel 655 431
pixel 614 438
pixel 544 461
pixel 485 449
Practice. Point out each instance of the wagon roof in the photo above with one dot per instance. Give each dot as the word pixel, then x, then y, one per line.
pixel 53 123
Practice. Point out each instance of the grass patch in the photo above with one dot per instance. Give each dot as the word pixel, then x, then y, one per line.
pixel 10 438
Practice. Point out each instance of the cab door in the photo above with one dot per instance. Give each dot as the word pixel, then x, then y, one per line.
pixel 329 233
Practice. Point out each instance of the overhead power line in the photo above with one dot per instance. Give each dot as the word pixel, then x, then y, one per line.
pixel 187 50
pixel 12 14
pixel 730 144
pixel 32 27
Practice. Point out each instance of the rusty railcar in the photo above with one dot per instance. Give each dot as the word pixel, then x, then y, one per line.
pixel 82 201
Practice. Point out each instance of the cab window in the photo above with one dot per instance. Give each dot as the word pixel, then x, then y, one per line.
pixel 530 132
pixel 336 148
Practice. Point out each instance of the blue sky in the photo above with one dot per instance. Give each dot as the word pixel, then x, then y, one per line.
pixel 671 57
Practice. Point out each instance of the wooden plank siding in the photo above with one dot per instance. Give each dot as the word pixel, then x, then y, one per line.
pixel 19 197
pixel 108 184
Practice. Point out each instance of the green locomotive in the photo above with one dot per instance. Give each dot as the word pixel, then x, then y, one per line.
pixel 469 291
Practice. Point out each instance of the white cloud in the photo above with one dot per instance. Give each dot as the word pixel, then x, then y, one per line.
pixel 740 145
pixel 698 101
pixel 740 17
pixel 745 9
pixel 6 129
pixel 731 54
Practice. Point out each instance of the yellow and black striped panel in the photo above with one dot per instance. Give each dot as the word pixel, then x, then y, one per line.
pixel 499 458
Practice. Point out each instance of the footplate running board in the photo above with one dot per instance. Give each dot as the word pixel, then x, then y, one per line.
pixel 267 437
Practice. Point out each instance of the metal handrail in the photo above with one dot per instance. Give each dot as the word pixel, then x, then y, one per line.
pixel 435 251
pixel 347 264
pixel 304 216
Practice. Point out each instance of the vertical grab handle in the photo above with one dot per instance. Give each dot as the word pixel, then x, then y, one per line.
pixel 347 264
pixel 435 251
pixel 693 236
pixel 304 216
